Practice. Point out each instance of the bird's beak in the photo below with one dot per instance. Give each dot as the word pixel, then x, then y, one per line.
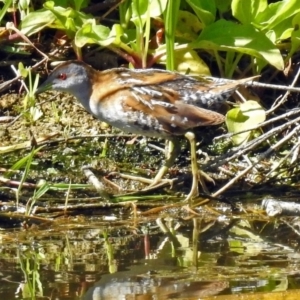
pixel 43 87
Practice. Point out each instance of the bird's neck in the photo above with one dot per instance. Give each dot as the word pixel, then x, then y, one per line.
pixel 83 88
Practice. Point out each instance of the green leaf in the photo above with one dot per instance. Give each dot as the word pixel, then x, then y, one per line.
pixel 157 7
pixel 23 4
pixel 295 35
pixel 282 30
pixel 22 70
pixel 224 35
pixel 76 4
pixel 70 19
pixel 140 9
pixel 90 33
pixel 125 13
pixel 223 5
pixel 22 162
pixel 244 117
pixel 247 10
pixel 275 17
pixel 37 21
pixel 188 26
pixel 188 61
pixel 80 4
pixel 277 12
pixel 204 9
pixel 51 16
pixel 5 8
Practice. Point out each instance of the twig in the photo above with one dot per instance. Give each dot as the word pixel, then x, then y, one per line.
pixel 243 149
pixel 5 85
pixel 295 147
pixel 260 158
pixel 11 26
pixel 274 107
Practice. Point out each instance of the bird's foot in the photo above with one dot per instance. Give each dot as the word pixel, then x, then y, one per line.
pixel 155 184
pixel 201 177
pixel 152 183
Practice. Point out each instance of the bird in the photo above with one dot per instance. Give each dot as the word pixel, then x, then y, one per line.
pixel 147 102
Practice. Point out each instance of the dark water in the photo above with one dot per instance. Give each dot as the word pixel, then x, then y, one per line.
pixel 188 257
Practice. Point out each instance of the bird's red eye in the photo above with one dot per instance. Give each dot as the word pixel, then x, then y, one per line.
pixel 62 76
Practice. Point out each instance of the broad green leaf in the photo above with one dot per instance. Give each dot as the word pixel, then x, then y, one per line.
pixel 204 9
pixel 125 13
pixel 90 33
pixel 157 7
pixel 295 35
pixel 276 17
pixel 53 17
pixel 70 25
pixel 223 5
pixel 37 21
pixel 277 12
pixel 244 117
pixel 224 35
pixel 247 10
pixel 283 30
pixel 24 4
pixel 62 3
pixel 140 9
pixel 76 4
pixel 70 19
pixel 188 26
pixel 188 61
pixel 79 4
pixel 286 34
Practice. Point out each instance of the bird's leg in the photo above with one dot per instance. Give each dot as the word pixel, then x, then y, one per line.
pixel 171 154
pixel 196 173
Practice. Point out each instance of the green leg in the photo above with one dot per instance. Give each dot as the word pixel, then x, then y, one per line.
pixel 196 177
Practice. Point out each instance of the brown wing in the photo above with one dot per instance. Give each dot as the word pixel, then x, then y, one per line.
pixel 109 82
pixel 174 116
pixel 204 92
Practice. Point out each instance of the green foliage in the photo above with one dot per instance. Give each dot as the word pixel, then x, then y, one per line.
pixel 244 118
pixel 26 163
pixel 277 21
pixel 188 59
pixel 239 38
pixel 91 33
pixel 5 8
pixel 31 111
pixel 205 10
pixel 51 16
pixel 195 27
pixel 30 260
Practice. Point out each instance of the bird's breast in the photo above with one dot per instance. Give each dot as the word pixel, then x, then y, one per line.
pixel 113 112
